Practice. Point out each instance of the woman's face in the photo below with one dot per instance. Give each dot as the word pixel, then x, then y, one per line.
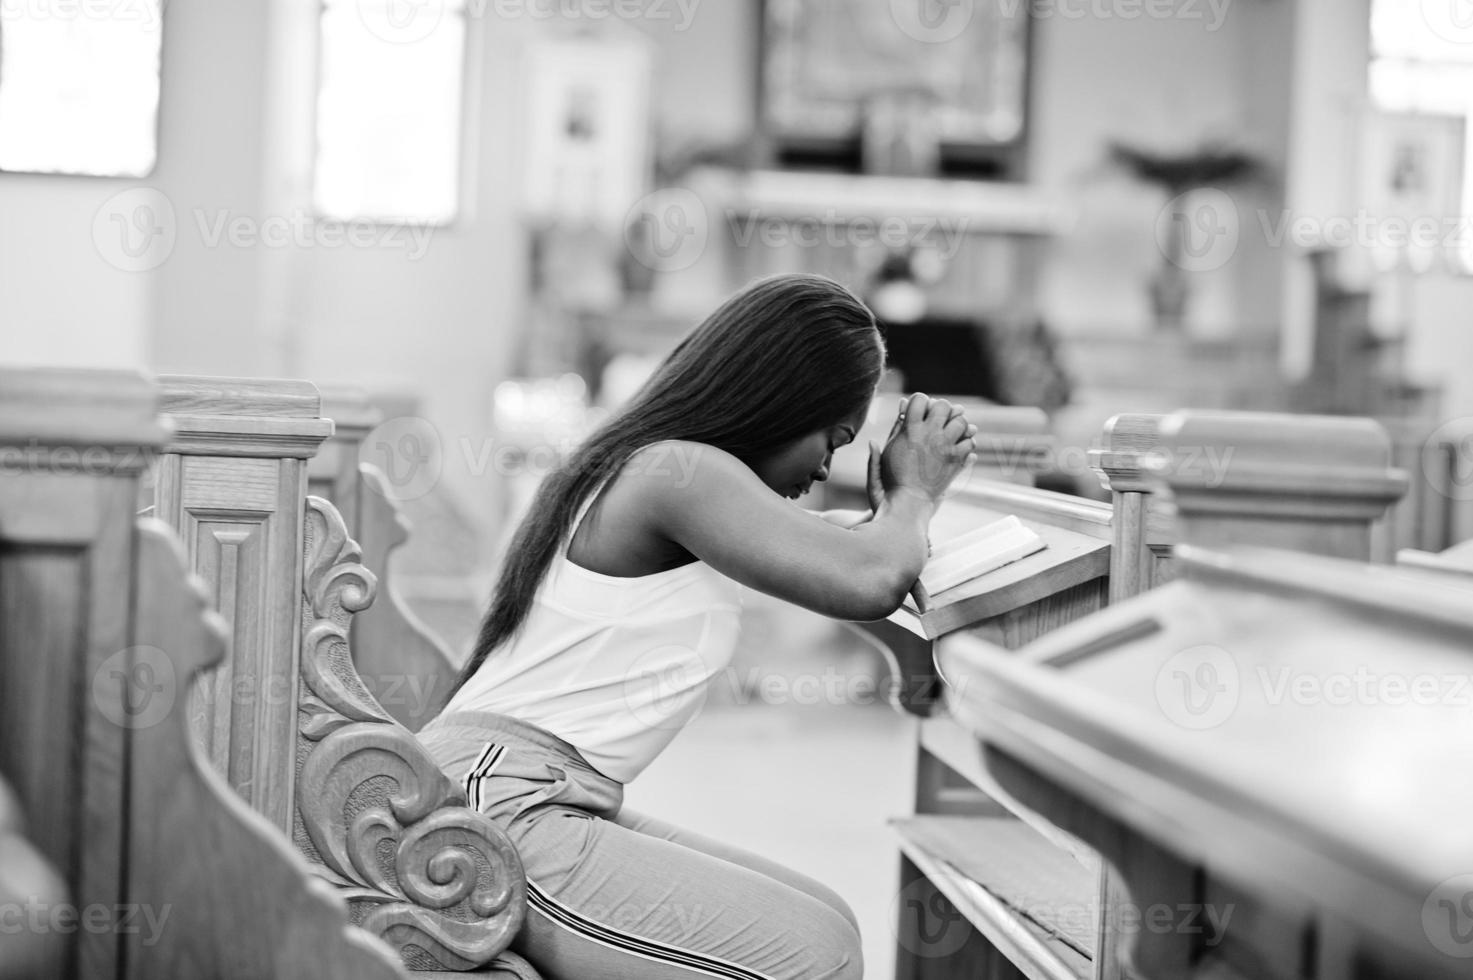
pixel 793 469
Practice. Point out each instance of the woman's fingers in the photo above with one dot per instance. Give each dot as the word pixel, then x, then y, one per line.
pixel 875 485
pixel 916 407
pixel 899 422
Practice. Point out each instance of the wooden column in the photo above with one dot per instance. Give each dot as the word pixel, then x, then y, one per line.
pixel 1140 544
pixel 1299 482
pixel 232 482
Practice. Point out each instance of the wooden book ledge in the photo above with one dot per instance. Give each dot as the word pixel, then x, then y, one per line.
pixel 1216 723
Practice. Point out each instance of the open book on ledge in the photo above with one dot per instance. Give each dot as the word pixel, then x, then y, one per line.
pixel 976 553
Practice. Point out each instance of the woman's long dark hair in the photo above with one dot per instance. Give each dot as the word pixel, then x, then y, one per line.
pixel 785 357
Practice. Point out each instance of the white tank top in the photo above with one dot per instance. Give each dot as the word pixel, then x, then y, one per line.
pixel 614 666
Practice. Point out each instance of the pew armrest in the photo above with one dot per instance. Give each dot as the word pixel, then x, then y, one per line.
pixel 404 664
pixel 437 880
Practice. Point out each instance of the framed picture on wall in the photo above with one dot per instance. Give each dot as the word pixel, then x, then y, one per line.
pixel 586 129
pixel 79 87
pixel 826 64
pixel 1414 176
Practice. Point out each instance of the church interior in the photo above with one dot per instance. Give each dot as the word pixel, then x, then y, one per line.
pixel 301 301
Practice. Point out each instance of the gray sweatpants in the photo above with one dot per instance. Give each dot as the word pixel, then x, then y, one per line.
pixel 614 895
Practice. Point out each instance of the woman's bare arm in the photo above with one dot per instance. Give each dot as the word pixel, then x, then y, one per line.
pixel 845 518
pixel 721 512
pixel 727 517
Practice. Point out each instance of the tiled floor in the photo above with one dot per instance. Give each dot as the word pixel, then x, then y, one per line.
pixel 808 785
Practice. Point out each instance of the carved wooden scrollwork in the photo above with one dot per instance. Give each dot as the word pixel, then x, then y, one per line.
pixel 438 881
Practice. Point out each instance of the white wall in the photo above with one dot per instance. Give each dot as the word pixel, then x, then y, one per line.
pixel 61 301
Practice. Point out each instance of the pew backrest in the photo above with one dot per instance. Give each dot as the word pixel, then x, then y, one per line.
pixel 362 799
pixel 405 665
pixel 1309 483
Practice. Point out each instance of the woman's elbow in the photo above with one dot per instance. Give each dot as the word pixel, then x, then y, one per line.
pixel 881 593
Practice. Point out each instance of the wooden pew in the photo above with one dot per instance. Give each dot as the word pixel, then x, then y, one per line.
pixel 168 874
pixel 1441 536
pixel 1271 817
pixel 1308 483
pixel 1437 513
pixel 1141 529
pixel 955 908
pixel 1069 580
pixel 1314 483
pixel 404 665
pixel 351 786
